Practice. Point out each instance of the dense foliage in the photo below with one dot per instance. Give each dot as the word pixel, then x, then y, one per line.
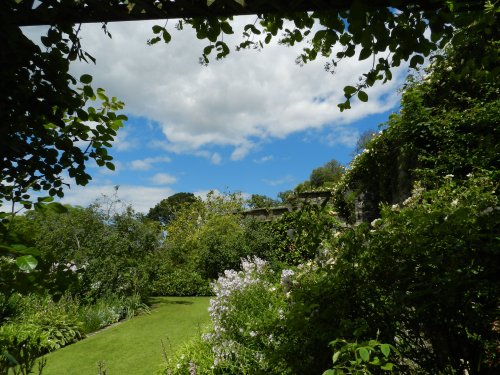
pixel 398 273
pixel 204 239
pixel 261 201
pixel 165 211
pixel 328 173
pixel 448 124
pixel 94 269
pixel 89 252
pixel 413 290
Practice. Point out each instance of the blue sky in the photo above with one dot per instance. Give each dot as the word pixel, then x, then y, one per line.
pixel 254 122
pixel 274 165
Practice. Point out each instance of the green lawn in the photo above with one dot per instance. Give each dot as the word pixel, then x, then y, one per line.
pixel 134 347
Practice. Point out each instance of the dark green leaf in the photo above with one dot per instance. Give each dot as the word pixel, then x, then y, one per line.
pixel 46 41
pixel 10 359
pixel 45 199
pixel 82 115
pixel 416 60
pixel 166 36
pixel 363 96
pixel 207 50
pixel 86 79
pixel 349 90
pixel 155 40
pixel 22 249
pixel 201 33
pixel 365 53
pixel 226 28
pixel 157 29
pixel 87 90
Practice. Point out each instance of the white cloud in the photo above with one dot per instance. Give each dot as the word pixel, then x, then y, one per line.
pixel 343 136
pixel 237 102
pixel 109 172
pixel 264 159
pixel 242 150
pixel 142 198
pixel 280 181
pixel 203 194
pixel 122 141
pixel 147 163
pixel 215 158
pixel 163 179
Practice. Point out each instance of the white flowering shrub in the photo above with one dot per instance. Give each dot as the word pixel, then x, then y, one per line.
pixel 248 316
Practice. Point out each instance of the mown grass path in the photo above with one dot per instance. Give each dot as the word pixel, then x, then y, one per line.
pixel 134 347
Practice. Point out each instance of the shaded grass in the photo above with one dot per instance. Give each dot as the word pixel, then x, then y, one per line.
pixel 134 346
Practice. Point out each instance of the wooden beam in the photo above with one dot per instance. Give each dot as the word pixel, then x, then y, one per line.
pixel 96 11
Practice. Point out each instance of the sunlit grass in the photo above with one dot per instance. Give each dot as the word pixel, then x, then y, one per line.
pixel 134 346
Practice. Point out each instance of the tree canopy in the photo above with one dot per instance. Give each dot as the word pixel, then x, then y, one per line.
pixel 51 123
pixel 166 210
pixel 261 201
pixel 330 172
pixel 46 114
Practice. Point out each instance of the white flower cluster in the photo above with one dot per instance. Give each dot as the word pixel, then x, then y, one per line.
pixel 287 279
pixel 220 306
pixel 376 223
pixel 415 196
pixel 235 280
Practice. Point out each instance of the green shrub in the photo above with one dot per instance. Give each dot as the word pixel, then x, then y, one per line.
pixel 300 234
pixel 59 320
pixel 99 315
pixel 21 345
pixel 247 315
pixel 206 238
pixel 181 282
pixel 260 240
pixel 423 278
pixel 95 251
pixel 424 274
pixel 221 245
pixel 433 265
pixel 194 357
pixel 10 306
pixel 365 358
pixel 109 310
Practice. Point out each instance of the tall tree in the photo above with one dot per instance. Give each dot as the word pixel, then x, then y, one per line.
pixel 166 210
pixel 330 172
pixel 261 201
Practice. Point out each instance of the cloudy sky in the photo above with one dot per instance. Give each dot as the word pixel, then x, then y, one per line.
pixel 254 122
